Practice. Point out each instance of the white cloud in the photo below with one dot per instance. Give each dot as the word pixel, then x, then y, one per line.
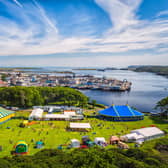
pixel 39 33
pixel 121 12
pixel 162 13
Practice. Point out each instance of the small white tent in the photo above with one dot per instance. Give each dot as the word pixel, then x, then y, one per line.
pixel 99 140
pixel 36 114
pixel 75 143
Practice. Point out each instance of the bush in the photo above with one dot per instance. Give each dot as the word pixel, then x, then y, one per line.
pixel 5 164
pixel 85 158
pixel 152 161
pixel 162 145
pixel 136 153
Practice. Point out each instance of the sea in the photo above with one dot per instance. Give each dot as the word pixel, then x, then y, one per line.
pixel 147 88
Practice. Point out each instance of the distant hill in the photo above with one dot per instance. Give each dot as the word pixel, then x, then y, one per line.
pixel 159 70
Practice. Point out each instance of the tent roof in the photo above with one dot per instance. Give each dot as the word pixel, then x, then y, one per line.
pixel 149 131
pixel 114 138
pixel 4 112
pixel 133 136
pixel 120 111
pixel 74 140
pixel 38 112
pixel 80 125
pixel 21 142
pixel 102 139
pixel 69 113
pixel 39 143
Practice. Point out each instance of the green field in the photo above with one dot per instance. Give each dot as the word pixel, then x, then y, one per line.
pixel 53 133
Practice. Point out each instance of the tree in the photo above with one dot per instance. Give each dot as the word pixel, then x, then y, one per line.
pixel 30 96
pixel 93 103
pixel 162 105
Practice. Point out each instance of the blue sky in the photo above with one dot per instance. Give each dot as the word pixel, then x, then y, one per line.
pixel 83 32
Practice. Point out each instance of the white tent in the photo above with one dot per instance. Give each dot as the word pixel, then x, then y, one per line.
pixel 69 113
pixel 80 125
pixel 36 114
pixel 75 143
pixel 56 116
pixel 132 137
pixel 149 132
pixel 99 140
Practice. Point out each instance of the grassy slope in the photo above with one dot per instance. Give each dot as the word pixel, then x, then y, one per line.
pixel 57 134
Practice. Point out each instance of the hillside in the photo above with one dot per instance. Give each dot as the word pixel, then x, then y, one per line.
pixel 159 70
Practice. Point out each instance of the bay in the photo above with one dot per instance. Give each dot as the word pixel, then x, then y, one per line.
pixel 147 89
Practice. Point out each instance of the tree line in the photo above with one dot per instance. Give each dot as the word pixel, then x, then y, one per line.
pixel 21 96
pixel 160 70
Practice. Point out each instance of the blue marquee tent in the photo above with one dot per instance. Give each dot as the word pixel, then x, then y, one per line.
pixel 121 113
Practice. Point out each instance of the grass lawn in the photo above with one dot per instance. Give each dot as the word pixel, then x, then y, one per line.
pixel 53 133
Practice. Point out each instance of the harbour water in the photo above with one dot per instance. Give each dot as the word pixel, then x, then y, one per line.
pixel 147 88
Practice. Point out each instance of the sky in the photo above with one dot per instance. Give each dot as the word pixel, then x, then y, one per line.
pixel 83 33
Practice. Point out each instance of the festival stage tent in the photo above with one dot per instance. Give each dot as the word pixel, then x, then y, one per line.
pixel 5 115
pixel 121 113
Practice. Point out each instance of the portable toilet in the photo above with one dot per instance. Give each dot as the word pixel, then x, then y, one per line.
pixel 39 144
pixel 75 143
pixel 21 148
